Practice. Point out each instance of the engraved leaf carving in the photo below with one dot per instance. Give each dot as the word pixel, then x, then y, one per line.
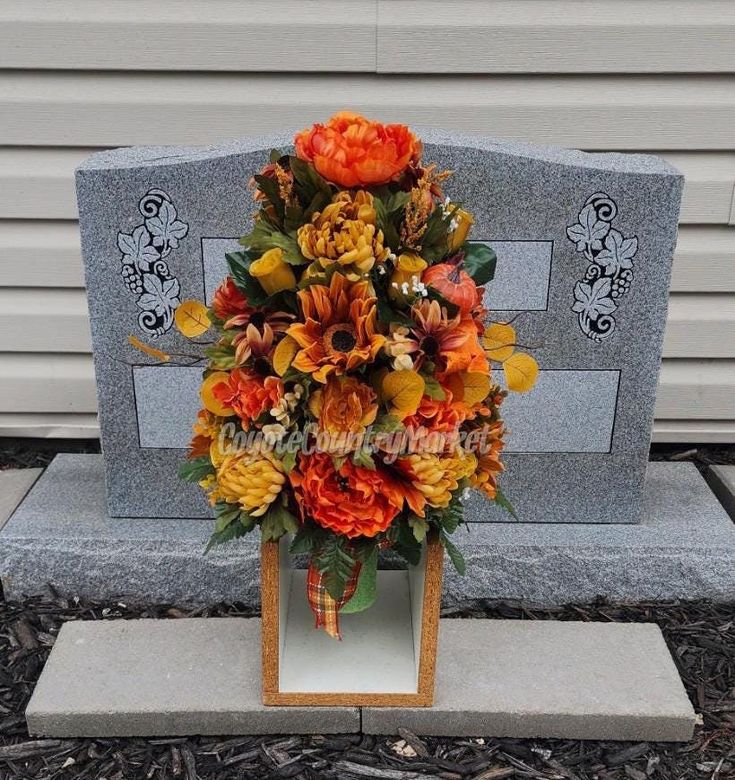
pixel 594 300
pixel 618 252
pixel 160 295
pixel 137 249
pixel 165 228
pixel 589 231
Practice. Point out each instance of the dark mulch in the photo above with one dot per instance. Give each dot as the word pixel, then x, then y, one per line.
pixel 701 637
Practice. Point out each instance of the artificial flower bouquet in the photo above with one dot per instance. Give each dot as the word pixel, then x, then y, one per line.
pixel 348 396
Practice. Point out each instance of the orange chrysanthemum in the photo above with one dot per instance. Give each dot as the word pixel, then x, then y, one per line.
pixel 353 151
pixel 339 331
pixel 249 394
pixel 352 501
pixel 439 416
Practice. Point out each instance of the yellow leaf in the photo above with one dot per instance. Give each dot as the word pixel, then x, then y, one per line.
pixel 403 391
pixel 476 387
pixel 150 351
pixel 284 354
pixel 192 319
pixel 521 371
pixel 499 341
pixel 212 403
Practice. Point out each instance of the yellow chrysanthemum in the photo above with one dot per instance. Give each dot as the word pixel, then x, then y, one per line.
pixel 436 477
pixel 252 479
pixel 344 233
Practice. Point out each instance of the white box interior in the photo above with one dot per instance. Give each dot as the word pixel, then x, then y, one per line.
pixel 380 649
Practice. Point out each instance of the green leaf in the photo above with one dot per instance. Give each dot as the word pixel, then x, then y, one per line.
pixel 388 423
pixel 449 518
pixel 276 522
pixel 388 315
pixel 288 460
pixel 274 156
pixel 221 356
pixel 419 526
pixel 239 265
pixel 305 540
pixel 367 585
pixel 433 389
pixel 479 262
pixel 336 564
pixel 230 532
pixel 502 500
pixel 455 556
pixel 363 457
pixel 308 181
pixel 269 187
pixel 224 515
pixel 385 223
pixel 404 542
pixel 196 469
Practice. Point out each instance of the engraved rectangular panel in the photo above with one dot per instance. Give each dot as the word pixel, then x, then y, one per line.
pixel 166 404
pixel 577 409
pixel 522 276
pixel 566 411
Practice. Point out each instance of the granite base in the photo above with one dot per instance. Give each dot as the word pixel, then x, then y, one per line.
pixel 61 536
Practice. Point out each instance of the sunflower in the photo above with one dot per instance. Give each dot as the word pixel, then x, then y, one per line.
pixel 339 331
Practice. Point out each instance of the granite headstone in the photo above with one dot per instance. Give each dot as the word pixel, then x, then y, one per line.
pixel 584 245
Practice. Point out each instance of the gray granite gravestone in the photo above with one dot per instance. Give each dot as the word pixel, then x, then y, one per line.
pixel 584 245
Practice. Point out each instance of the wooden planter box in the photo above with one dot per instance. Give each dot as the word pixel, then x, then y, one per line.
pixel 387 657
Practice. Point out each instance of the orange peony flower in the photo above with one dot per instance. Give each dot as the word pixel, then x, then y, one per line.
pixel 353 151
pixel 344 408
pixel 229 301
pixel 352 501
pixel 339 331
pixel 249 394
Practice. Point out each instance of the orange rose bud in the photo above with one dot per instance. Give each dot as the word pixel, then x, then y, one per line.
pixel 273 272
pixel 356 152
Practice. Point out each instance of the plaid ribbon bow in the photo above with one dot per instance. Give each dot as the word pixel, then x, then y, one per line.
pixel 325 608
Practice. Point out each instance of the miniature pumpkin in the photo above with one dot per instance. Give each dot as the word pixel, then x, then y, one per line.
pixel 455 284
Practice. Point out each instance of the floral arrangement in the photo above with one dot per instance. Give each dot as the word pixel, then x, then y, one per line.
pixel 348 397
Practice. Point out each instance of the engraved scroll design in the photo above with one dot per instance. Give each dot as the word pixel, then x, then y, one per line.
pixel 610 271
pixel 144 269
